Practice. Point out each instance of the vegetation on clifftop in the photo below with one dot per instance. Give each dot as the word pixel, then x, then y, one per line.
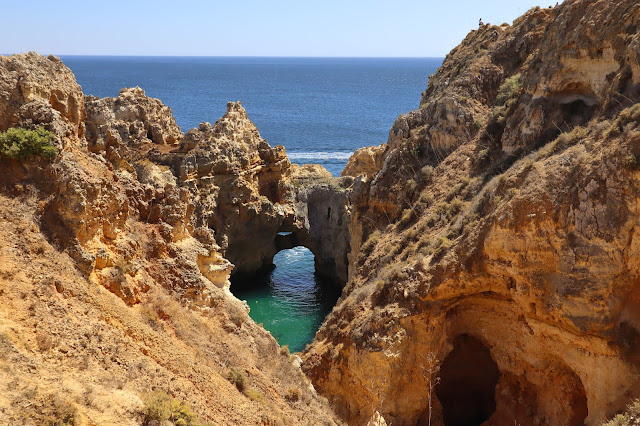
pixel 22 143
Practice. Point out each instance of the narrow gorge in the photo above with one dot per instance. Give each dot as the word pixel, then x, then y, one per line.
pixel 486 254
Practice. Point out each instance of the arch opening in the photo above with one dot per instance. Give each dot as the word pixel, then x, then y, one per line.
pixel 290 299
pixel 468 379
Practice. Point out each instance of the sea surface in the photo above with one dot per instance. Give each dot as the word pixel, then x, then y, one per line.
pixel 320 109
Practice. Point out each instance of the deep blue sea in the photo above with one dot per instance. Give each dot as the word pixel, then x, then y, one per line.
pixel 320 109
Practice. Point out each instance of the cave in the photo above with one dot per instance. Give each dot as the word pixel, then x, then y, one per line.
pixel 468 378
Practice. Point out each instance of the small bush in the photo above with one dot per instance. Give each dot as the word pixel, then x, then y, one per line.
pixel 292 395
pixel 160 407
pixel 483 155
pixel 508 90
pixel 371 242
pixel 60 412
pixel 253 395
pixel 237 314
pixel 156 407
pixel 628 418
pixel 630 161
pixel 284 350
pixel 237 379
pixel 425 199
pixel 407 217
pixel 416 151
pixel 410 187
pixel 22 143
pixel 563 141
pixel 442 245
pixel 425 174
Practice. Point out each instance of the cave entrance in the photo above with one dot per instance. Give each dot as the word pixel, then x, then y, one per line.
pixel 468 378
pixel 290 299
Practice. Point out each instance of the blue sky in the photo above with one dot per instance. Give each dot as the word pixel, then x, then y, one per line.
pixel 419 28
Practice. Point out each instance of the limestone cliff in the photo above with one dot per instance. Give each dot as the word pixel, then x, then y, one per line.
pixel 114 301
pixel 494 258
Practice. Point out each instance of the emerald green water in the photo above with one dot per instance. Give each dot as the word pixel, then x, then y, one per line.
pixel 290 301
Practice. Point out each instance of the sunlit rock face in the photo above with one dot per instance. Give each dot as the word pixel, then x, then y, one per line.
pixel 499 228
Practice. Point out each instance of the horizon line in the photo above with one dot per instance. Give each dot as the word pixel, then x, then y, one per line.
pixel 231 56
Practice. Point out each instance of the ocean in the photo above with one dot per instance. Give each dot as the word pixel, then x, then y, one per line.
pixel 320 109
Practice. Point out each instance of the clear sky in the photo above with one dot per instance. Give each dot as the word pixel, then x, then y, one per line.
pixel 248 27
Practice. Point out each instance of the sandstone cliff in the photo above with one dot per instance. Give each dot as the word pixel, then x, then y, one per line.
pixel 494 249
pixel 114 300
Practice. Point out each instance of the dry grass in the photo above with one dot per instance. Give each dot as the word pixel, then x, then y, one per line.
pixel 630 418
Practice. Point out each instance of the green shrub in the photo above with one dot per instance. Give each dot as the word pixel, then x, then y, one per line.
pixel 441 246
pixel 160 407
pixel 508 90
pixel 416 151
pixel 371 242
pixel 237 379
pixel 483 155
pixel 22 143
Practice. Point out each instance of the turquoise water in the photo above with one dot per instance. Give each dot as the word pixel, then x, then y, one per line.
pixel 290 301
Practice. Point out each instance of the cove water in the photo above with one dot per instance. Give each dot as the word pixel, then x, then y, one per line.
pixel 291 301
pixel 320 109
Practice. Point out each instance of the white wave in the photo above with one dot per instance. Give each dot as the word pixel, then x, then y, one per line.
pixel 319 155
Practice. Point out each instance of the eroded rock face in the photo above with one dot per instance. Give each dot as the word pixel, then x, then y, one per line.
pixel 365 162
pixel 123 127
pixel 38 91
pixel 249 192
pixel 121 231
pixel 504 243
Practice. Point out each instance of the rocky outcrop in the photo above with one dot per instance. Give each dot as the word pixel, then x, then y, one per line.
pixel 236 180
pixel 249 193
pixel 38 91
pixel 326 209
pixel 123 127
pixel 499 233
pixel 365 161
